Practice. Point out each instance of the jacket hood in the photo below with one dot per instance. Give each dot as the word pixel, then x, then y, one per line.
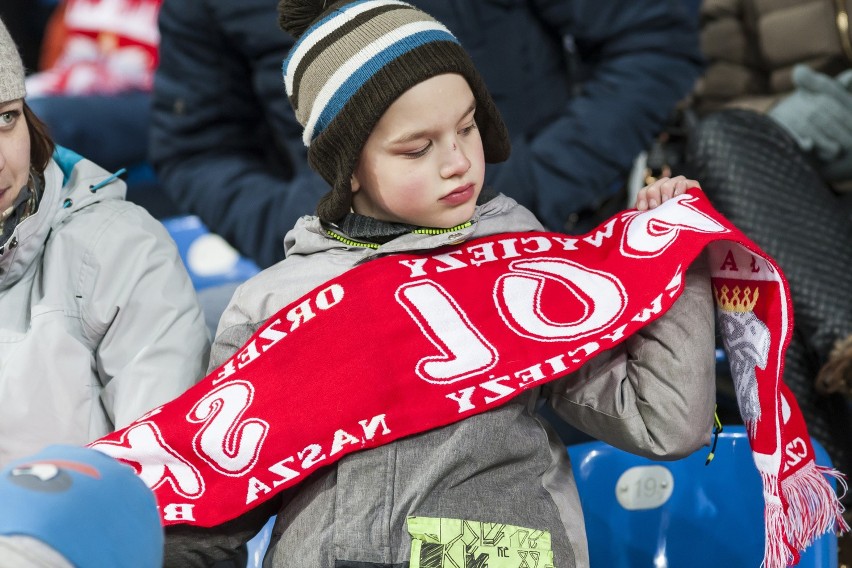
pixel 71 183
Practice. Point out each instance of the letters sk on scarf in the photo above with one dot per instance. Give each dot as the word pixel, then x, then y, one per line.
pixel 457 331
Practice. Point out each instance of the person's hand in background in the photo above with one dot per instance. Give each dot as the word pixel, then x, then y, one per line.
pixel 840 168
pixel 662 190
pixel 819 117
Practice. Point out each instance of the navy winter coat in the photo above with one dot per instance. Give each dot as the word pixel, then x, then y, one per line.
pixel 227 146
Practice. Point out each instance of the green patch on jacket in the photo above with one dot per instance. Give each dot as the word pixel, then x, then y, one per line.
pixel 455 543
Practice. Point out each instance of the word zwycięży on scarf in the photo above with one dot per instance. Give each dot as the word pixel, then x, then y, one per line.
pixel 481 322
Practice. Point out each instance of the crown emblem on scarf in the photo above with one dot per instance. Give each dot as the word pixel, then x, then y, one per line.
pixel 736 299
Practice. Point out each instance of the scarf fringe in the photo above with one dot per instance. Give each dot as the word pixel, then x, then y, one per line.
pixel 813 508
pixel 776 553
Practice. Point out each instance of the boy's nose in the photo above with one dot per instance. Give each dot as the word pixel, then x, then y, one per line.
pixel 456 162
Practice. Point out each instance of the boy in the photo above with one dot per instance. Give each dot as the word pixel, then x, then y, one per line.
pixel 399 123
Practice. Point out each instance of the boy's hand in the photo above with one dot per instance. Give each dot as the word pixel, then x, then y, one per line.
pixel 661 191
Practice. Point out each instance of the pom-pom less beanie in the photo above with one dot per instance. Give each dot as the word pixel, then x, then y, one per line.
pixel 352 60
pixel 11 68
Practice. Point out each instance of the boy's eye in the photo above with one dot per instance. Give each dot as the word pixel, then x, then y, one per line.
pixel 468 129
pixel 419 152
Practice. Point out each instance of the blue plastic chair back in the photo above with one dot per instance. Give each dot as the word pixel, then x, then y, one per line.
pixel 257 546
pixel 209 260
pixel 712 517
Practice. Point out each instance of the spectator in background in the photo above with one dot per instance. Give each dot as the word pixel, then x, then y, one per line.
pixel 582 84
pixel 74 507
pixel 93 87
pixel 99 322
pixel 773 151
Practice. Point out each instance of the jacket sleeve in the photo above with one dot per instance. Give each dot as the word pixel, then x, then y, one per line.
pixel 235 329
pixel 637 60
pixel 654 393
pixel 153 339
pixel 224 141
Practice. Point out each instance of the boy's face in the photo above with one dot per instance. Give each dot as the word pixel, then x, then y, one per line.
pixel 423 163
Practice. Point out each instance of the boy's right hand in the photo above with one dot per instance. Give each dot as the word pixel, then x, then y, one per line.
pixel 662 190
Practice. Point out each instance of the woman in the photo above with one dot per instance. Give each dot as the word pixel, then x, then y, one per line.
pixel 99 322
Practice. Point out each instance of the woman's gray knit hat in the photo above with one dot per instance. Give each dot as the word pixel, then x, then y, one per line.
pixel 11 68
pixel 352 60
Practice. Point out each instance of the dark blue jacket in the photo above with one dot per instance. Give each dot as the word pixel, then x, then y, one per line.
pixel 227 146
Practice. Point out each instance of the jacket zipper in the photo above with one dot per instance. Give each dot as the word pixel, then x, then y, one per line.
pixel 421 231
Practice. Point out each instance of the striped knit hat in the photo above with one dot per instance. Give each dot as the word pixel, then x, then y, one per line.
pixel 352 60
pixel 11 68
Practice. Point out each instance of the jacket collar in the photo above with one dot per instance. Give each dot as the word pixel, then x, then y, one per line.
pixel 71 183
pixel 310 235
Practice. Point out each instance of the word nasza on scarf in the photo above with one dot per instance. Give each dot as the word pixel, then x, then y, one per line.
pixel 410 342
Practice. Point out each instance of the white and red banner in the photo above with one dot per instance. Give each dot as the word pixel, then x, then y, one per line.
pixel 411 342
pixel 104 47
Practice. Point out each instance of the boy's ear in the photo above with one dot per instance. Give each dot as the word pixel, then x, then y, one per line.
pixel 354 184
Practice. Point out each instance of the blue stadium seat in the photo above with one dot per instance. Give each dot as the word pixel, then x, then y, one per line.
pixel 257 546
pixel 208 258
pixel 686 513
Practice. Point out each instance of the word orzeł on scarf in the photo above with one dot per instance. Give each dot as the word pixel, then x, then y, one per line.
pixel 457 331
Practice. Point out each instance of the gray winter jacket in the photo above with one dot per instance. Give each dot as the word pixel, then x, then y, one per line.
pixel 99 322
pixel 653 395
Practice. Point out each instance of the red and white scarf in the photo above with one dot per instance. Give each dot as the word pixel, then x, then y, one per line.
pixel 411 342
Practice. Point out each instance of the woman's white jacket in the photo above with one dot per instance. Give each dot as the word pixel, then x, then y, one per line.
pixel 99 322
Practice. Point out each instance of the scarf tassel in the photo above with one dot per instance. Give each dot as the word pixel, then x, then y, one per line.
pixel 777 553
pixel 813 508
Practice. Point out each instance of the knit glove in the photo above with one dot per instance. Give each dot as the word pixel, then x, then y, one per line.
pixel 819 115
pixel 840 169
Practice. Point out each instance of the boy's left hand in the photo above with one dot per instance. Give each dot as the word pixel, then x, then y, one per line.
pixel 662 190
